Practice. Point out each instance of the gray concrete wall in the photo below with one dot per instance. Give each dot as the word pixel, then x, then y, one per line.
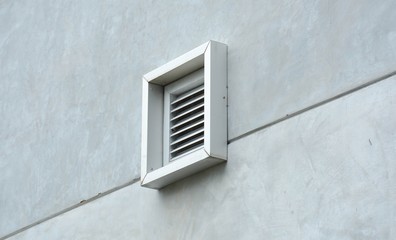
pixel 70 103
pixel 326 174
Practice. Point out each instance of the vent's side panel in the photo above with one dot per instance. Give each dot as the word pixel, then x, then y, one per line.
pixel 216 100
pixel 152 128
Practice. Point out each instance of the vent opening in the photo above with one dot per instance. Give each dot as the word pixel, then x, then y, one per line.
pixel 187 122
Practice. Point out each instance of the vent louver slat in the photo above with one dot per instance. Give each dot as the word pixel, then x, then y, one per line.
pixel 190 119
pixel 187 122
pixel 189 135
pixel 196 108
pixel 187 129
pixel 188 94
pixel 186 104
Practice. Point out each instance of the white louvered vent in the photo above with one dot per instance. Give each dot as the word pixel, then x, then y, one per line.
pixel 187 122
pixel 184 116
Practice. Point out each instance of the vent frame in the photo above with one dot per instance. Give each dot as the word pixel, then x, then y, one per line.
pixel 159 85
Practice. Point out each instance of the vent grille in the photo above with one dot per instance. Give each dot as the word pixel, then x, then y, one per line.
pixel 187 122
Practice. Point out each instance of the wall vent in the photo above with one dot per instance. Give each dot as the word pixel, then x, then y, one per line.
pixel 184 121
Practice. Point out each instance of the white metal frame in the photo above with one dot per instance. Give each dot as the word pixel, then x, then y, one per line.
pixel 212 56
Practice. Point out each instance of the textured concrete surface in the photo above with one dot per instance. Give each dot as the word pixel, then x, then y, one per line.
pixel 70 106
pixel 328 173
pixel 70 75
pixel 295 54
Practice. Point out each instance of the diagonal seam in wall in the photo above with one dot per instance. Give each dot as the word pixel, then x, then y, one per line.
pixel 71 208
pixel 313 106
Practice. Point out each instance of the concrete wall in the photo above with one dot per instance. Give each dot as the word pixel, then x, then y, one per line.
pixel 70 101
pixel 325 174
